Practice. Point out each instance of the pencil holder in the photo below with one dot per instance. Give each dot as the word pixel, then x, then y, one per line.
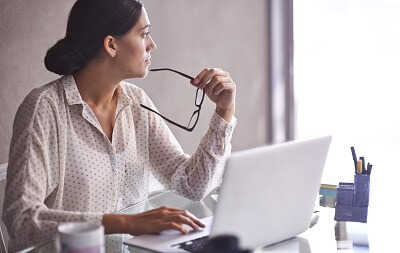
pixel 361 190
pixel 344 194
pixel 352 200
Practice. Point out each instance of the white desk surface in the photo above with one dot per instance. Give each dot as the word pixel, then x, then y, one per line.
pixel 379 235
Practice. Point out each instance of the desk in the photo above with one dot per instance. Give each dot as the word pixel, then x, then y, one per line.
pixel 325 236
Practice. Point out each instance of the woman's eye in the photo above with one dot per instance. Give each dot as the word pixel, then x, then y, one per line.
pixel 145 34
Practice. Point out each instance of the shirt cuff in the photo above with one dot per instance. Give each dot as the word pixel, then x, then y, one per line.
pixel 95 218
pixel 221 126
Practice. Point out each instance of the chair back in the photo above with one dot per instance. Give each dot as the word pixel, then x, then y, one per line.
pixel 3 231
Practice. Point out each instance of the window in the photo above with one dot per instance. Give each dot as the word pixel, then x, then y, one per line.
pixel 346 77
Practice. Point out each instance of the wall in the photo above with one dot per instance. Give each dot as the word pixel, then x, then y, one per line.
pixel 28 29
pixel 190 35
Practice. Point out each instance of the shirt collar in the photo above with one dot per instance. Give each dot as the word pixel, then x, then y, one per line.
pixel 71 90
pixel 123 97
pixel 74 97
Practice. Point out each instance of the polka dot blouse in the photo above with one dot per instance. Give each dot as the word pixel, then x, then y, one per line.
pixel 62 167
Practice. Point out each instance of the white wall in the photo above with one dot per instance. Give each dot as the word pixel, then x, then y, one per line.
pixel 190 35
pixel 27 29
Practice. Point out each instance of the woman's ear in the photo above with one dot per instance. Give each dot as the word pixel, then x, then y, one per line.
pixel 110 45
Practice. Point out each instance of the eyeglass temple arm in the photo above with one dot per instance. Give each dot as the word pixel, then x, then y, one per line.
pixel 180 73
pixel 170 121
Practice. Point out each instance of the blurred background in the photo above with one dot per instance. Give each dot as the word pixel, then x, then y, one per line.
pixel 190 36
pixel 302 68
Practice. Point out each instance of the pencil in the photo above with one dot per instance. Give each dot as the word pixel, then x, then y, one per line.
pixel 359 167
pixel 353 152
pixel 363 170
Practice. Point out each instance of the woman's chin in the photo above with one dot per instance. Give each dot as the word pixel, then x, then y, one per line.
pixel 145 71
pixel 144 74
pixel 140 74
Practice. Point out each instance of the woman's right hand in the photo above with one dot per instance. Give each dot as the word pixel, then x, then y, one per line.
pixel 150 222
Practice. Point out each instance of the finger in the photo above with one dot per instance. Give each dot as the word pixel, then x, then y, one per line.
pixel 210 74
pixel 194 219
pixel 191 220
pixel 163 211
pixel 223 86
pixel 182 219
pixel 157 209
pixel 171 209
pixel 199 223
pixel 197 79
pixel 214 82
pixel 204 76
pixel 176 226
pixel 167 210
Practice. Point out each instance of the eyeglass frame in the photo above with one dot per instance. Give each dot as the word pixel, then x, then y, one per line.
pixel 196 112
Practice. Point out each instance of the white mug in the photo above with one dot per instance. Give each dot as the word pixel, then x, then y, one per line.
pixel 80 237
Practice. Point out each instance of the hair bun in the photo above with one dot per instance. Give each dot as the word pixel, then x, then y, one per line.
pixel 63 58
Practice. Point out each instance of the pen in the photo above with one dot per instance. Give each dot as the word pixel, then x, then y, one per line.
pixel 369 168
pixel 353 152
pixel 359 166
pixel 364 171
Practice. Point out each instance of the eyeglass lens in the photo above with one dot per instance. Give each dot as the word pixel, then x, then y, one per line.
pixel 199 98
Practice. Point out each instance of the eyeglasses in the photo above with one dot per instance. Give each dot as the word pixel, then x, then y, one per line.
pixel 197 102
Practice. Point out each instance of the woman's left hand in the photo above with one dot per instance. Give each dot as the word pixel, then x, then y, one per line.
pixel 220 88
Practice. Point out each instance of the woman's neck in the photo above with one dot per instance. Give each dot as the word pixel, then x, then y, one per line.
pixel 96 84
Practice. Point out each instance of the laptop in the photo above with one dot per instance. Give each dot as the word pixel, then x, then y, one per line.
pixel 267 196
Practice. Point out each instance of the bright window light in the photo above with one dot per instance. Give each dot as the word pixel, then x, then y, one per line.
pixel 346 78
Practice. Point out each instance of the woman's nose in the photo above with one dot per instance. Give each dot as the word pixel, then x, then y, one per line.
pixel 152 46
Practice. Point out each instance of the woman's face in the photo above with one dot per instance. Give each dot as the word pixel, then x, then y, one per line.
pixel 133 52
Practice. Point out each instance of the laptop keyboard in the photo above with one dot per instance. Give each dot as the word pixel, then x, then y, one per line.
pixel 195 245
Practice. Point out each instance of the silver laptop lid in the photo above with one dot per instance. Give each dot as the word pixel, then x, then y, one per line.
pixel 268 193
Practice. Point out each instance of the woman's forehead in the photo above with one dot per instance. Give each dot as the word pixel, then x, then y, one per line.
pixel 143 21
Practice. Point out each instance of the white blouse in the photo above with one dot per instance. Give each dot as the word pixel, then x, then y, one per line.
pixel 62 167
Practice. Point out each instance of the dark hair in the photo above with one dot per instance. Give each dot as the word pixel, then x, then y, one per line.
pixel 89 22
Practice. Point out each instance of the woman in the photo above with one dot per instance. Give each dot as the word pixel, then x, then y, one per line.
pixel 82 146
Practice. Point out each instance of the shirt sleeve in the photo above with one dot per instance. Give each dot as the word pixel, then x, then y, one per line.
pixel 190 176
pixel 33 176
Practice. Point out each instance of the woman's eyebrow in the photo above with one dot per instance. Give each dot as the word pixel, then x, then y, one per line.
pixel 147 26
